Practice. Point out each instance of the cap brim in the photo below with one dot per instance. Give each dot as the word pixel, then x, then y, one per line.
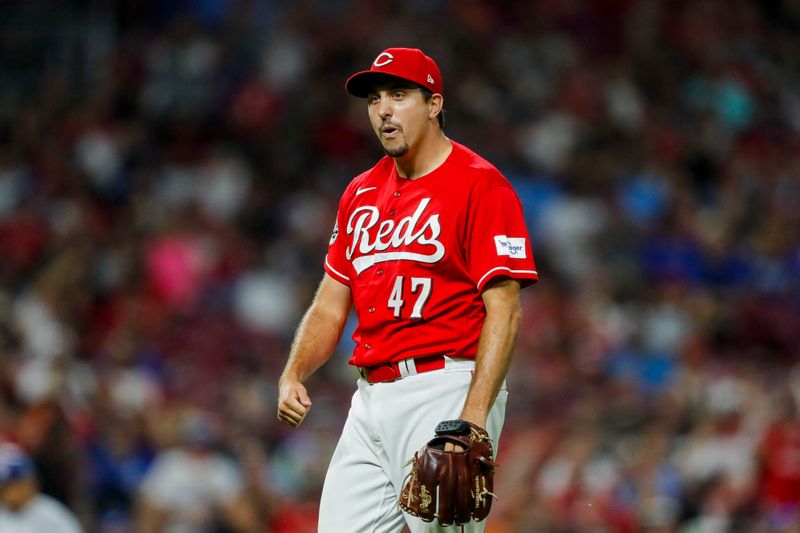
pixel 361 83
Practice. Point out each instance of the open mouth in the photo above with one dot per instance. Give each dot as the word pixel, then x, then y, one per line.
pixel 389 131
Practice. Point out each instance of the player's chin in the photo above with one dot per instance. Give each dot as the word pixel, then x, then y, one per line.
pixel 395 150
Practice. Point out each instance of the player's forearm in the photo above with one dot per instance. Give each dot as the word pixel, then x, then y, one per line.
pixel 493 358
pixel 319 330
pixel 491 366
pixel 315 340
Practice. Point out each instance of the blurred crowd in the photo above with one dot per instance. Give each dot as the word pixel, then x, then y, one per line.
pixel 169 175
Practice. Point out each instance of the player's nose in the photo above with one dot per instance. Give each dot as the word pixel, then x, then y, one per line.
pixel 385 107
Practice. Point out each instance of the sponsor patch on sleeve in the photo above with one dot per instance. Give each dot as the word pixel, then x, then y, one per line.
pixel 513 247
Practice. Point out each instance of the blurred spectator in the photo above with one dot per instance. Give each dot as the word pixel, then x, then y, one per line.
pixel 779 455
pixel 23 508
pixel 717 459
pixel 192 487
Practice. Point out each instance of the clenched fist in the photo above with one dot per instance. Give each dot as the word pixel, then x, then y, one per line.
pixel 293 402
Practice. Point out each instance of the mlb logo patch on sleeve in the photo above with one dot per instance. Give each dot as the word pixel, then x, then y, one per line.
pixel 511 246
pixel 335 233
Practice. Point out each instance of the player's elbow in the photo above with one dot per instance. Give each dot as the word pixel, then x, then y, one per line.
pixel 515 315
pixel 324 318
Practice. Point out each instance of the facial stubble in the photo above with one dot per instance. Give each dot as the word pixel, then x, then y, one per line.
pixel 398 151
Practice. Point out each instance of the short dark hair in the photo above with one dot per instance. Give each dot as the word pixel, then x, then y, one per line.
pixel 426 94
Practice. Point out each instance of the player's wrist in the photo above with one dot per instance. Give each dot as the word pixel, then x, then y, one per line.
pixel 288 378
pixel 475 418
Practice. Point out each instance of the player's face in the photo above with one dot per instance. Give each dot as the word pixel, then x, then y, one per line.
pixel 399 117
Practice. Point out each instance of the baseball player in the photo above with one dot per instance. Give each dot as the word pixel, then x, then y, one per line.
pixel 431 249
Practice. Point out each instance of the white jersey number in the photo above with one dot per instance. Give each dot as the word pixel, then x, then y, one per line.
pixel 421 286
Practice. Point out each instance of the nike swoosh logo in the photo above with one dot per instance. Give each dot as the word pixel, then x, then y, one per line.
pixel 364 189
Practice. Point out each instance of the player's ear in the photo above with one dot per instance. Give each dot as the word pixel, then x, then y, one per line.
pixel 435 105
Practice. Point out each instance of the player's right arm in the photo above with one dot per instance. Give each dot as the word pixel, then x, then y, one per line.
pixel 314 342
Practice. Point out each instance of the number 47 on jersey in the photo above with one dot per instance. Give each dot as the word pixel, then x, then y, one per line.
pixel 419 287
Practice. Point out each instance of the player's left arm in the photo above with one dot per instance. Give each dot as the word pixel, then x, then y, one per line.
pixel 503 314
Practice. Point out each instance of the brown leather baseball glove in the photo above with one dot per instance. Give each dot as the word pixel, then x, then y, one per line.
pixel 453 486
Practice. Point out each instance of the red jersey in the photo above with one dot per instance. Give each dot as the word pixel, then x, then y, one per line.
pixel 416 255
pixel 780 484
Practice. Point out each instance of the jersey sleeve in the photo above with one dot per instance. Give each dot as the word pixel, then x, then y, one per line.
pixel 498 244
pixel 336 264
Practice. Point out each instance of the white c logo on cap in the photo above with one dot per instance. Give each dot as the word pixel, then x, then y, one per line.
pixel 383 59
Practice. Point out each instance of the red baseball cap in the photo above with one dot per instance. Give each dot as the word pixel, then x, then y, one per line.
pixel 409 64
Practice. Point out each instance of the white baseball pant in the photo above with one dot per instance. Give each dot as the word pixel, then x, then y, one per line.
pixel 386 424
